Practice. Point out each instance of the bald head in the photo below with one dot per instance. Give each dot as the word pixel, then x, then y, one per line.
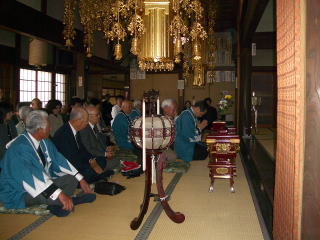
pixel 78 118
pixel 36 104
pixel 94 114
pixel 126 106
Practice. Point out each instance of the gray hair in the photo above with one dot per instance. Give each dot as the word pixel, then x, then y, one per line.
pixel 136 103
pixel 77 113
pixel 24 111
pixel 167 103
pixel 35 120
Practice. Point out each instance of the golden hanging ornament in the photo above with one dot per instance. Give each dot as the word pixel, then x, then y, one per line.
pixel 135 46
pixel 196 51
pixel 118 51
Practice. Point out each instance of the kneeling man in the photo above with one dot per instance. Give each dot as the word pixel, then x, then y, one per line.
pixel 188 145
pixel 34 172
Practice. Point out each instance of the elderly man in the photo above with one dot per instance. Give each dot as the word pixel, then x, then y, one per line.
pixel 136 111
pixel 169 108
pixel 95 142
pixel 23 113
pixel 121 126
pixel 188 145
pixel 68 141
pixel 34 172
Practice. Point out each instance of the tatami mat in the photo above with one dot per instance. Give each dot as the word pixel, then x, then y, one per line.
pixel 13 223
pixel 219 215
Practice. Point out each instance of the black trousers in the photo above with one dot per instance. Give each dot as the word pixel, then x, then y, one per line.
pixel 200 151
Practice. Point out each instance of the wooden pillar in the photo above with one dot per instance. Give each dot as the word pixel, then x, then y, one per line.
pixel 311 173
pixel 79 75
pixel 15 86
pixel 245 90
pixel 290 120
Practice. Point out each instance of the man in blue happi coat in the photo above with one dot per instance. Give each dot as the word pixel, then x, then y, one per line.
pixel 188 145
pixel 121 126
pixel 136 110
pixel 34 172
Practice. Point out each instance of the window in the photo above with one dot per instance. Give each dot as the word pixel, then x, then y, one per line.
pixel 27 85
pixel 39 84
pixel 61 88
pixel 44 87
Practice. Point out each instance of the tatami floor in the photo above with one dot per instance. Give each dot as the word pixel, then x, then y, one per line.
pixel 219 215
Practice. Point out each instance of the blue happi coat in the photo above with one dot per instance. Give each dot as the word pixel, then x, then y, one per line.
pixel 135 113
pixel 187 134
pixel 121 128
pixel 22 170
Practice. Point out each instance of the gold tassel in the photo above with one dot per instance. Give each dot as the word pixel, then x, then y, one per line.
pixel 134 46
pixel 178 46
pixel 118 51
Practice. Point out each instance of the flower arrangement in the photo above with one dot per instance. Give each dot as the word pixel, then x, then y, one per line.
pixel 224 104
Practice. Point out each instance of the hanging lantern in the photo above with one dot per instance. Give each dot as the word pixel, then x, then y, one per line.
pixel 38 53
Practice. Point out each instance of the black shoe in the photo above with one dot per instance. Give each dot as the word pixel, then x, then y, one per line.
pixel 58 211
pixel 85 198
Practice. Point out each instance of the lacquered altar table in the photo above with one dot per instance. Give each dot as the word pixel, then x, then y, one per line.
pixel 223 146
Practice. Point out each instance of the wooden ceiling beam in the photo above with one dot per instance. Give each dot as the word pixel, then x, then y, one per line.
pixel 24 20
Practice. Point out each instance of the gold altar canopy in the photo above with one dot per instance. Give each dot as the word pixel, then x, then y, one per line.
pixel 159 30
pixel 156 48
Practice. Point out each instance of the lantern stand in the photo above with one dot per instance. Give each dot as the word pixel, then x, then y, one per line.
pixel 152 100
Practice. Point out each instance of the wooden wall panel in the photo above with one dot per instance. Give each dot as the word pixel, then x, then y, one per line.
pixel 290 120
pixel 311 179
pixel 166 83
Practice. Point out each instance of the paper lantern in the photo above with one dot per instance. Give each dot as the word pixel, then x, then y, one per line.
pixel 38 53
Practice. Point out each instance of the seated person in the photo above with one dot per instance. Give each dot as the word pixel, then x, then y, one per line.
pixel 7 127
pixel 188 145
pixel 55 118
pixel 23 113
pixel 121 126
pixel 34 172
pixel 36 104
pixel 95 142
pixel 136 111
pixel 67 140
pixel 116 108
pixel 169 109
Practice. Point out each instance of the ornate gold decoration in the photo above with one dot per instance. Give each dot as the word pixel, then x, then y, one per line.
pixel 68 21
pixel 158 39
pixel 211 42
pixel 222 170
pixel 223 148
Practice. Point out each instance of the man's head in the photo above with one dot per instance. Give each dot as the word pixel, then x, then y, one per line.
pixel 199 108
pixel 169 107
pixel 24 112
pixel 126 107
pixel 137 104
pixel 78 118
pixel 37 124
pixel 94 114
pixel 75 102
pixel 36 104
pixel 119 100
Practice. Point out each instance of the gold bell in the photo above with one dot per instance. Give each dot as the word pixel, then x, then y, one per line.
pixel 69 43
pixel 196 51
pixel 177 59
pixel 118 51
pixel 89 54
pixel 134 46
